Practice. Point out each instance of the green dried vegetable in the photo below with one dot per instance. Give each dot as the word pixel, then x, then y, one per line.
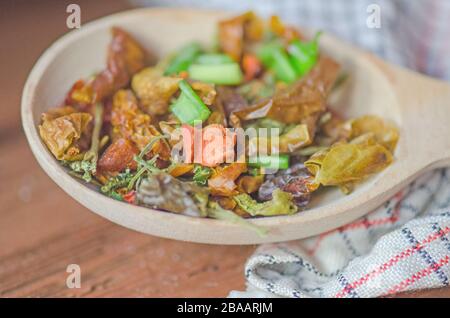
pixel 85 168
pixel 345 163
pixel 143 167
pixel 162 191
pixel 120 181
pixel 88 166
pixel 201 175
pixel 281 204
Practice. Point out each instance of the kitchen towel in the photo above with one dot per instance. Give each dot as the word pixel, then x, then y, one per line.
pixel 404 245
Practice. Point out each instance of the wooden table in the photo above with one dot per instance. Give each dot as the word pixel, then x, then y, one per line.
pixel 43 230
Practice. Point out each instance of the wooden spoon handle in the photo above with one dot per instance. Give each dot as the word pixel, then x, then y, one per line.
pixel 425 115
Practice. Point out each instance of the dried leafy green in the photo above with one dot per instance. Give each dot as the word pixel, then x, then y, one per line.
pixel 293 103
pixel 144 167
pixel 295 138
pixel 249 184
pixel 121 180
pixel 281 204
pixel 85 168
pixel 346 163
pixel 88 166
pixel 384 133
pixel 201 175
pixel 154 90
pixel 162 191
pixel 62 133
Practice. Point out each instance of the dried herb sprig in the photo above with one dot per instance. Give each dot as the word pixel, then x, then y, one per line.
pixel 88 166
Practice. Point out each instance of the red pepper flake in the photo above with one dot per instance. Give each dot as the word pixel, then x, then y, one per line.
pixel 251 66
pixel 129 197
pixel 183 74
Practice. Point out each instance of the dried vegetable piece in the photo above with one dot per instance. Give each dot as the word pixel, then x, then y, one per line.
pixel 345 163
pixel 154 90
pixel 61 134
pixel 130 123
pixel 281 204
pixel 222 182
pixel 297 180
pixel 162 191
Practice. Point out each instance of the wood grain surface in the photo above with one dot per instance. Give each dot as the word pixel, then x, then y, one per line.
pixel 42 230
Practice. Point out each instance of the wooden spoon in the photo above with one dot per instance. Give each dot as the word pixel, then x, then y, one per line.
pixel 418 105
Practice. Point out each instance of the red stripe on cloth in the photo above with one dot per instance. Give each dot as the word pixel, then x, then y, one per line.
pixel 371 223
pixel 385 266
pixel 388 220
pixel 417 276
pixel 363 223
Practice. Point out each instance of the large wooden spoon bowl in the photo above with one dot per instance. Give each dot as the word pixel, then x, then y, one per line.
pixel 418 105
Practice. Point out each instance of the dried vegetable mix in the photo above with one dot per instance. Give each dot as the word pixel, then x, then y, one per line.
pixel 165 134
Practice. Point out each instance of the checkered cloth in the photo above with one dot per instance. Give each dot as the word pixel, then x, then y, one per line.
pixel 403 245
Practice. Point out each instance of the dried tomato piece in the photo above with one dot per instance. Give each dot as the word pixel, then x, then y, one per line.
pixel 118 157
pixel 252 66
pixel 222 183
pixel 235 32
pixel 130 197
pixel 131 123
pixel 217 145
pixel 125 58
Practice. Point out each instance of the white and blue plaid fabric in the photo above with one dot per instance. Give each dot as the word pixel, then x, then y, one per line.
pixel 404 245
